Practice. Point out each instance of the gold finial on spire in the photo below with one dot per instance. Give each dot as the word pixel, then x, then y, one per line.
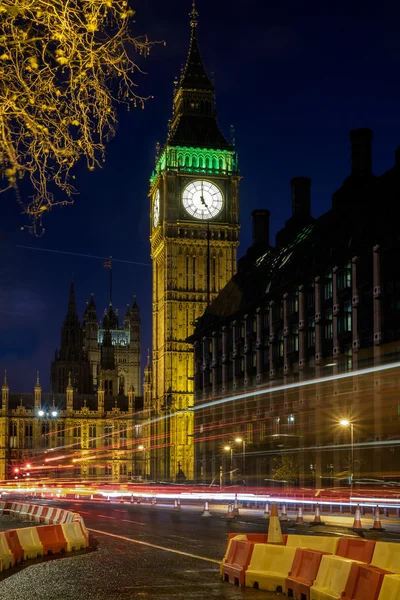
pixel 5 377
pixel 37 379
pixel 193 15
pixel 69 386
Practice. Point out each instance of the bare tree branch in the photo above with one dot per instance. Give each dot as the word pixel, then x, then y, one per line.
pixel 64 67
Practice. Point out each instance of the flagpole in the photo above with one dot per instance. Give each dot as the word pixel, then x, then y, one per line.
pixel 110 280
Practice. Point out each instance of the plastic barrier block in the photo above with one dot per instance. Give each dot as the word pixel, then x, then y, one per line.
pixel 234 572
pixel 258 538
pixel 52 539
pixel 356 549
pixel 39 513
pixel 43 513
pixel 24 509
pixel 323 543
pixel 303 573
pixel 49 515
pixel 387 556
pixel 66 517
pixel 331 578
pixel 2 507
pixel 35 511
pixel 74 536
pixel 30 542
pixel 55 518
pixel 14 545
pixel 230 549
pixel 364 582
pixel 390 589
pixel 30 513
pixel 7 557
pixel 6 509
pixel 269 567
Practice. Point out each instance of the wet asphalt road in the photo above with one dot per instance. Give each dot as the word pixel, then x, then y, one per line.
pixel 138 552
pixel 126 569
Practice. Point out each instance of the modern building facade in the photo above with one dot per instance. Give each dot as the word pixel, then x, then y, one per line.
pixel 277 352
pixel 93 437
pixel 194 232
pixel 83 348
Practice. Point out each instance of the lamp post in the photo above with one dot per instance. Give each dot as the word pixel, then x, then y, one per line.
pixel 141 448
pixel 230 449
pixel 240 440
pixel 347 423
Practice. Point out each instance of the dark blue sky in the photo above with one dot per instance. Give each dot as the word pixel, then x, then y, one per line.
pixel 293 78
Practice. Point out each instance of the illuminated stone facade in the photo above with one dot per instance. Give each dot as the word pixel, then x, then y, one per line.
pixel 323 303
pixel 94 437
pixel 80 351
pixel 193 258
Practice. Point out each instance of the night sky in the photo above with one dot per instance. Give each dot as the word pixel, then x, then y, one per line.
pixel 293 78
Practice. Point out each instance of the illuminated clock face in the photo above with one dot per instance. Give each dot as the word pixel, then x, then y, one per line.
pixel 202 199
pixel 156 209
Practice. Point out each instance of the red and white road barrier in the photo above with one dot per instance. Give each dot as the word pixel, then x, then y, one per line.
pixel 63 531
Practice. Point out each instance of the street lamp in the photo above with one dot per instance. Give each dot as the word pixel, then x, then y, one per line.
pixel 240 440
pixel 230 449
pixel 347 423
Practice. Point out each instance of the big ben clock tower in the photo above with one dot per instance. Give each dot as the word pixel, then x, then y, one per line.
pixel 194 215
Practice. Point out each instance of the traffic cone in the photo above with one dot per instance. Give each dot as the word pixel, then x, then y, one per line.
pixel 266 511
pixel 274 527
pixel 299 519
pixel 108 498
pixel 131 498
pixel 176 505
pixel 235 511
pixel 154 501
pixel 206 510
pixel 317 517
pixel 357 519
pixel 377 526
pixel 230 512
pixel 91 496
pixel 284 516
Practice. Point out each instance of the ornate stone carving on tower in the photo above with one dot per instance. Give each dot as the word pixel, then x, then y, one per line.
pixel 194 198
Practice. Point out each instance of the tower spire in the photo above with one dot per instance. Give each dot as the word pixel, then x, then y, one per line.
pixel 193 16
pixel 71 300
pixel 5 378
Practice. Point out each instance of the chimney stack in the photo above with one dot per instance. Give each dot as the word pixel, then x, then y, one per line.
pixel 361 152
pixel 261 226
pixel 301 187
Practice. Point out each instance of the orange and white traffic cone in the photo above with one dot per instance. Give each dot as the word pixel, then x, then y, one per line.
pixel 236 507
pixel 154 501
pixel 284 516
pixel 230 512
pixel 377 526
pixel 274 527
pixel 357 519
pixel 132 499
pixel 266 511
pixel 206 510
pixel 299 518
pixel 176 505
pixel 317 518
